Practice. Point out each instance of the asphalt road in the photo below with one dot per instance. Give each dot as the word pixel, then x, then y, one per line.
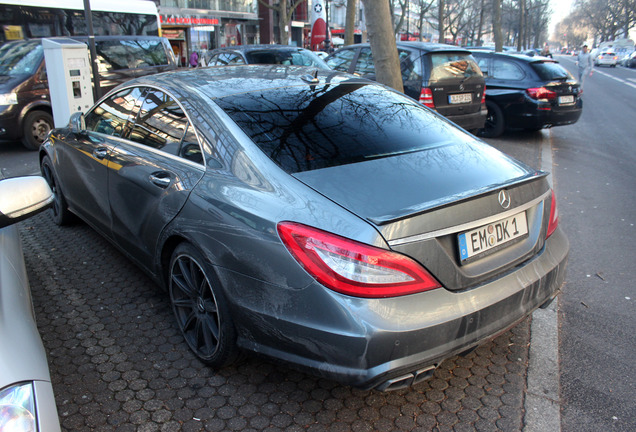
pixel 595 176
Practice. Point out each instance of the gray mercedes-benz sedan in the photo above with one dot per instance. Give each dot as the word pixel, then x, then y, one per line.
pixel 311 216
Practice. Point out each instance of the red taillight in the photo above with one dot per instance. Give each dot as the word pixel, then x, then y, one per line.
pixel 538 93
pixel 554 216
pixel 426 98
pixel 483 97
pixel 354 268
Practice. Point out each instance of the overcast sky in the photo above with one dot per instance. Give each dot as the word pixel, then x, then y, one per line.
pixel 560 9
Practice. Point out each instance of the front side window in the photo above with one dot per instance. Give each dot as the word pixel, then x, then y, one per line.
pixel 364 65
pixel 161 123
pixel 110 116
pixel 20 58
pixel 130 54
pixel 341 60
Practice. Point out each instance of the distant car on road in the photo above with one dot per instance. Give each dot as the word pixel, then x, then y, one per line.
pixel 263 54
pixel 311 216
pixel 606 58
pixel 442 77
pixel 26 394
pixel 527 93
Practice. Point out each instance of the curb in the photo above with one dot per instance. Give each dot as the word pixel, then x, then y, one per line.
pixel 542 405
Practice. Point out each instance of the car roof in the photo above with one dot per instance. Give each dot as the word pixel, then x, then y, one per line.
pixel 220 81
pixel 517 56
pixel 422 46
pixel 258 47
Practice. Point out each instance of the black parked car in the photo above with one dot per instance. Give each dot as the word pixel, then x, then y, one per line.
pixel 527 93
pixel 25 105
pixel 443 77
pixel 263 54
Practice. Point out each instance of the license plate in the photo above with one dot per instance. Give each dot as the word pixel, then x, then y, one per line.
pixel 480 240
pixel 460 98
pixel 566 100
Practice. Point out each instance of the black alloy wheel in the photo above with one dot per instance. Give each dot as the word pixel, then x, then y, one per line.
pixel 495 123
pixel 61 213
pixel 200 309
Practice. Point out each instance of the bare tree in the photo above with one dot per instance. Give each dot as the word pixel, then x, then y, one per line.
pixel 441 15
pixel 383 46
pixel 285 10
pixel 496 25
pixel 350 21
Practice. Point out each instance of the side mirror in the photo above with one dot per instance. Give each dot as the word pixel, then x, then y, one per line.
pixel 77 122
pixel 22 197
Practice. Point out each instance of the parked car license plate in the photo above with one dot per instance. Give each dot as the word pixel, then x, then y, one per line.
pixel 460 98
pixel 566 100
pixel 487 237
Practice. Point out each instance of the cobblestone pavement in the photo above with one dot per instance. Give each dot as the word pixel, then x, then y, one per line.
pixel 118 361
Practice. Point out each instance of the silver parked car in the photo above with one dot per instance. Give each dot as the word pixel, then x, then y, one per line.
pixel 26 393
pixel 318 218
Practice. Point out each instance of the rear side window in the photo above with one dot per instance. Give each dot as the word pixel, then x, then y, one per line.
pixel 289 57
pixel 506 70
pixel 308 128
pixel 341 60
pixel 452 66
pixel 364 65
pixel 130 54
pixel 551 71
pixel 161 123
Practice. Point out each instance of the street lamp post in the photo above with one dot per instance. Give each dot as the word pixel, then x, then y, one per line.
pixel 327 41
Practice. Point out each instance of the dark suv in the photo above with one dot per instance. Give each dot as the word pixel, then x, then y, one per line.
pixel 25 105
pixel 527 93
pixel 445 78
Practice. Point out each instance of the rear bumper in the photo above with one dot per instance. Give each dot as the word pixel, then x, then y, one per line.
pixel 390 343
pixel 536 115
pixel 470 121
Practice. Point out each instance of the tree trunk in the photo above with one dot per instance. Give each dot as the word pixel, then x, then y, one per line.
pixel 440 20
pixel 496 25
pixel 382 41
pixel 350 21
pixel 481 23
pixel 522 13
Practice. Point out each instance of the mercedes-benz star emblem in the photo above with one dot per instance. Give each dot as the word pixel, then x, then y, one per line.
pixel 504 199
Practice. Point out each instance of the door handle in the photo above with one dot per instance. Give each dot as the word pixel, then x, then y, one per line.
pixel 161 179
pixel 100 152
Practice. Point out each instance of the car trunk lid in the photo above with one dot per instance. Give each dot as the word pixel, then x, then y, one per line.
pixel 422 202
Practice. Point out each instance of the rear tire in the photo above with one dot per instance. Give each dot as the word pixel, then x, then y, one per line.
pixel 200 307
pixel 495 123
pixel 60 211
pixel 37 125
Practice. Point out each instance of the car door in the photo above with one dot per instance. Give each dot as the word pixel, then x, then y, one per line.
pixel 84 158
pixel 160 163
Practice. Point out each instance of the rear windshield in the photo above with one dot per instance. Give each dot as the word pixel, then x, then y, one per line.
pixel 551 71
pixel 130 54
pixel 20 58
pixel 289 57
pixel 307 128
pixel 453 65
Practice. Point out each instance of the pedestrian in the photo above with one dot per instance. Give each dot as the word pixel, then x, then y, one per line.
pixel 194 59
pixel 585 63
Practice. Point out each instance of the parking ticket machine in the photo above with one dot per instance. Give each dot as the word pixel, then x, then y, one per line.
pixel 68 69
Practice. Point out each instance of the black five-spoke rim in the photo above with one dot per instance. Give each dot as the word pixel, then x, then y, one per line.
pixel 195 306
pixel 50 179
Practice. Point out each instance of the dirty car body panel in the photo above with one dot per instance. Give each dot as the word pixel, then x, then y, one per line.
pixel 328 214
